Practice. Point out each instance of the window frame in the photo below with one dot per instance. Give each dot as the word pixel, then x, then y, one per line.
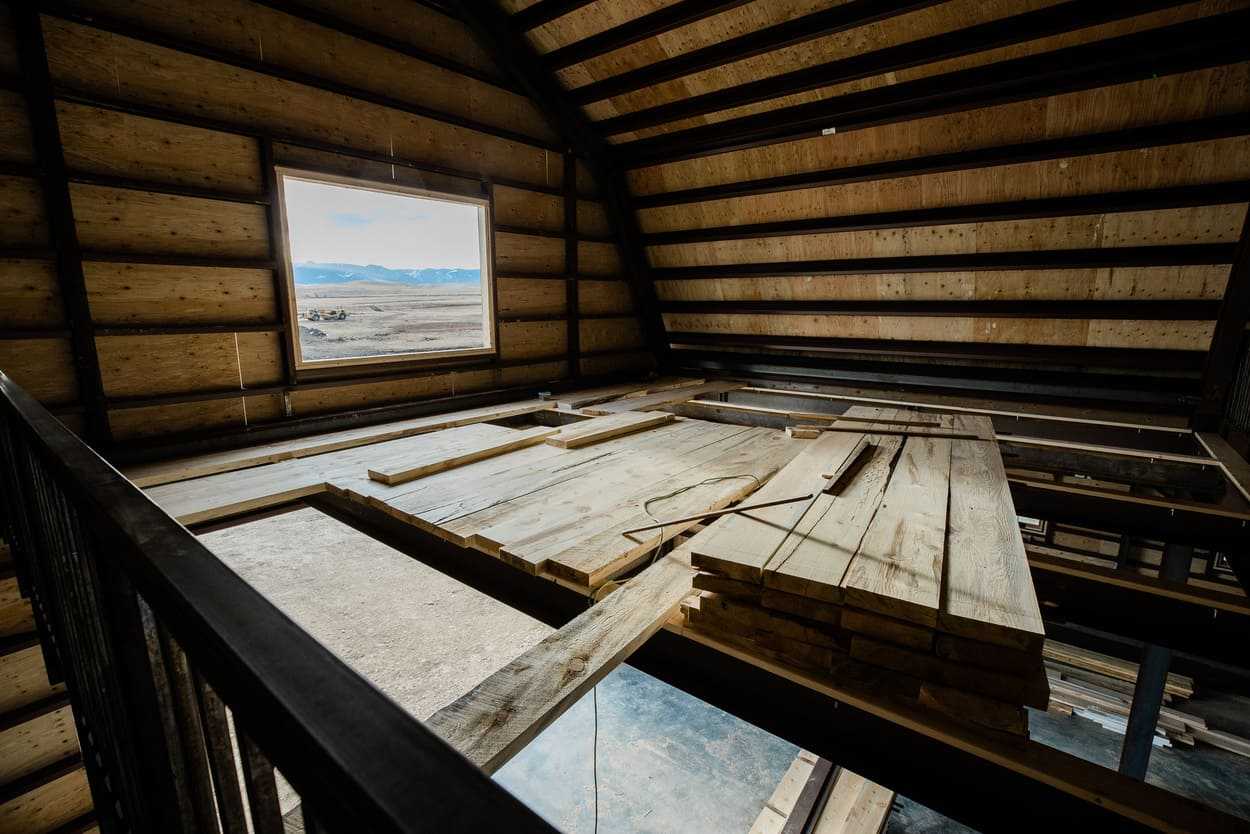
pixel 286 265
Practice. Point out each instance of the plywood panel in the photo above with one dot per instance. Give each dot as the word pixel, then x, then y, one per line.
pixel 15 140
pixel 592 218
pixel 617 363
pixel 147 294
pixel 1169 98
pixel 596 297
pixel 22 221
pixel 528 253
pixel 29 294
pixel 44 367
pixel 136 366
pixel 1119 283
pixel 532 209
pixel 321 400
pixel 532 339
pixel 294 156
pixel 607 334
pixel 118 67
pixel 121 220
pixel 598 259
pixel 530 296
pixel 49 806
pixel 249 29
pixel 36 744
pixel 155 421
pixel 118 144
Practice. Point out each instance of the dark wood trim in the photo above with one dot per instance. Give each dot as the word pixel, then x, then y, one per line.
pixel 46 135
pixel 1195 254
pixel 572 302
pixel 1153 199
pixel 1168 310
pixel 650 25
pixel 827 346
pixel 1167 50
pixel 1134 138
pixel 544 11
pixel 360 33
pixel 791 32
pixel 1230 329
pixel 132 30
pixel 282 280
pixel 1066 17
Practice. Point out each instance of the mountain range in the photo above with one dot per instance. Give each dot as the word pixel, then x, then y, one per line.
pixel 319 273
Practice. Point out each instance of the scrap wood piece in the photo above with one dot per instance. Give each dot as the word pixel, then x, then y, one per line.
pixel 164 472
pixel 650 402
pixel 897 569
pixel 503 713
pixel 455 450
pixel 598 429
pixel 989 593
pixel 1180 686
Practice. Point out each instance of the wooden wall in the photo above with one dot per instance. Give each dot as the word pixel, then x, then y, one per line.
pixel 746 260
pixel 169 114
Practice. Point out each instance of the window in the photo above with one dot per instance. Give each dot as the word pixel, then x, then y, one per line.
pixel 383 273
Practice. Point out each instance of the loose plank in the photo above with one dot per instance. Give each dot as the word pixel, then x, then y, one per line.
pixel 989 592
pixel 599 429
pixel 650 402
pixel 897 570
pixel 503 713
pixel 153 474
pixel 457 449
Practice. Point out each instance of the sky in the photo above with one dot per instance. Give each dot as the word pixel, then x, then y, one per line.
pixel 338 224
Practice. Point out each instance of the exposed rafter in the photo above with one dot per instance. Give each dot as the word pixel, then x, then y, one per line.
pixel 1230 333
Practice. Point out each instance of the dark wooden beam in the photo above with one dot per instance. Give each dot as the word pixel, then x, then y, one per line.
pixel 282 279
pixel 1211 41
pixel 1049 259
pixel 827 347
pixel 46 135
pixel 1186 310
pixel 572 301
pixel 1153 199
pixel 1226 341
pixel 789 33
pixel 499 36
pixel 544 11
pixel 1065 17
pixel 657 22
pixel 1134 138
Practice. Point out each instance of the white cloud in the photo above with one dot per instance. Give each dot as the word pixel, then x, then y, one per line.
pixel 338 224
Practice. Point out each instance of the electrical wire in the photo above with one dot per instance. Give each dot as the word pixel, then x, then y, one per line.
pixel 646 505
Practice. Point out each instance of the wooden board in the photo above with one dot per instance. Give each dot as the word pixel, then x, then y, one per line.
pixel 164 472
pixel 598 429
pixel 988 594
pixel 660 399
pixel 503 713
pixel 458 447
pixel 897 569
pixel 855 806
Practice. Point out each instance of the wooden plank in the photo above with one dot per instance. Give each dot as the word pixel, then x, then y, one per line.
pixel 660 399
pixel 772 816
pixel 888 629
pixel 813 560
pixel 599 429
pixel 1179 686
pixel 897 569
pixel 855 806
pixel 39 742
pixel 1233 464
pixel 740 545
pixel 503 713
pixel 988 594
pixel 164 472
pixel 233 493
pixel 1012 689
pixel 452 454
pixel 969 706
pixel 784 625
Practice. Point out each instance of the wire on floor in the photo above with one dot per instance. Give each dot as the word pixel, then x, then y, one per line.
pixel 646 505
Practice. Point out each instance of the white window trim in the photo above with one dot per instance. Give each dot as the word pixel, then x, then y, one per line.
pixel 485 235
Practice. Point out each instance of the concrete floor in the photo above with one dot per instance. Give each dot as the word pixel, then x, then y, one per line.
pixel 666 761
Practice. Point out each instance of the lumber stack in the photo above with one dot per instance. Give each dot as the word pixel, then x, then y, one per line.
pixel 909 576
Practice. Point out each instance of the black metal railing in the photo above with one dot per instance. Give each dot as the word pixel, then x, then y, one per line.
pixel 188 687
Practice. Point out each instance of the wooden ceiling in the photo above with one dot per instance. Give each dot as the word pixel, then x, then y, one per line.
pixel 1035 197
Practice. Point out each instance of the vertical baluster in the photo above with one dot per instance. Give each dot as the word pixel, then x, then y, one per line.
pixel 262 789
pixel 221 757
pixel 186 713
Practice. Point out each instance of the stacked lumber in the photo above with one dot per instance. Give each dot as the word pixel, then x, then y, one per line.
pixel 909 574
pixel 1100 687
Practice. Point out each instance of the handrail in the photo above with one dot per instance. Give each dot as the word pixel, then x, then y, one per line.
pixel 360 759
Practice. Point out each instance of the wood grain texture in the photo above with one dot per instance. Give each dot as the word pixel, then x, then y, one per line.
pixel 503 713
pixel 457 447
pixel 660 399
pixel 598 429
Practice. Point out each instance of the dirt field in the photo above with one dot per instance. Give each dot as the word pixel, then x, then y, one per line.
pixel 387 318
